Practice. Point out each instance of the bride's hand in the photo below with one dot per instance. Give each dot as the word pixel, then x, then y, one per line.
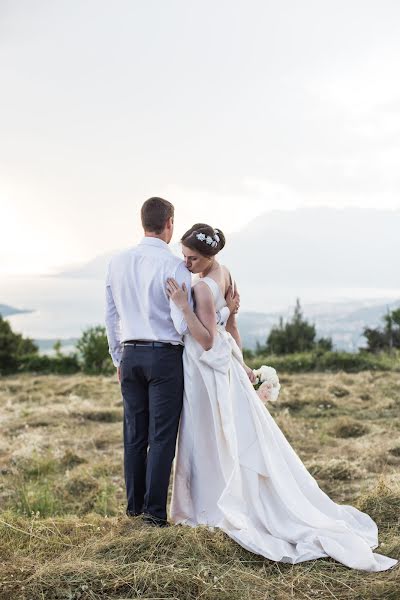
pixel 232 300
pixel 177 294
pixel 250 373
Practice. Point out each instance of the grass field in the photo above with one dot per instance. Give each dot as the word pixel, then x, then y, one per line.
pixel 64 534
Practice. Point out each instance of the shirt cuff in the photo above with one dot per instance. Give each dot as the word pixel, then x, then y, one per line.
pixel 116 356
pixel 223 315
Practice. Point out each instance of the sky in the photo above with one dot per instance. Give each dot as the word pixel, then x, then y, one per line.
pixel 226 108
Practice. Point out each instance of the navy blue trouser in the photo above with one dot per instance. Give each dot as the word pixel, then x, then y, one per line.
pixel 152 390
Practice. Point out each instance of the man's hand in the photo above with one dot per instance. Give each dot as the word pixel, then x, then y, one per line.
pixel 232 300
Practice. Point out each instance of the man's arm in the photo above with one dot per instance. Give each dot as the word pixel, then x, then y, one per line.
pixel 113 325
pixel 182 276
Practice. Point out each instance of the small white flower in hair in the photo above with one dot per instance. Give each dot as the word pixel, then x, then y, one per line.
pixel 201 237
pixel 209 240
pixel 214 244
pixel 217 238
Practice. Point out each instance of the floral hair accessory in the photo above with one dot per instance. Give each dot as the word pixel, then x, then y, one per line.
pixel 211 241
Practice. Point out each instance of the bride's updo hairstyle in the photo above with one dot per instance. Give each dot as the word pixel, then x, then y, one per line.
pixel 204 239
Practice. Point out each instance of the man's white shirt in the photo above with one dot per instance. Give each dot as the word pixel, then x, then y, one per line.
pixel 137 305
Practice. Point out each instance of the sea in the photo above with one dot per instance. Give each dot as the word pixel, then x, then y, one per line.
pixel 63 307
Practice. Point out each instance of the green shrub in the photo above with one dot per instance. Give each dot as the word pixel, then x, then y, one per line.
pixel 387 338
pixel 296 335
pixel 93 347
pixel 289 363
pixel 350 362
pixel 64 364
pixel 12 347
pixel 303 362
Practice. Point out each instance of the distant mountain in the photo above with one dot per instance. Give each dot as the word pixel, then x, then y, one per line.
pixel 94 269
pixel 343 322
pixel 7 311
pixel 351 247
pixel 97 267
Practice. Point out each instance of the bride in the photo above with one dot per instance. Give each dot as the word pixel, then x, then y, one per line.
pixel 234 468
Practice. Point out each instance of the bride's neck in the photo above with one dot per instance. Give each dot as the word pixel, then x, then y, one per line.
pixel 213 266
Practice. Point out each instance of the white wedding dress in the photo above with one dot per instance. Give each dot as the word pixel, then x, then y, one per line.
pixel 235 470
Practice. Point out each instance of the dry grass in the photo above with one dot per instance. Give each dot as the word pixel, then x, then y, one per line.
pixel 346 427
pixel 62 526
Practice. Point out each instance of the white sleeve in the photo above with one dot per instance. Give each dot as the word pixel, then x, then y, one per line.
pixel 182 275
pixel 113 325
pixel 223 315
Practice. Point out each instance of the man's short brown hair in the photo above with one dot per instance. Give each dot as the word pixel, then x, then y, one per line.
pixel 155 214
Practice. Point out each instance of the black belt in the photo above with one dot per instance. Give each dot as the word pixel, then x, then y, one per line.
pixel 135 343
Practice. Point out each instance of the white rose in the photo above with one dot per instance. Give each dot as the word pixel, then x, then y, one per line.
pixel 268 374
pixel 268 392
pixel 270 386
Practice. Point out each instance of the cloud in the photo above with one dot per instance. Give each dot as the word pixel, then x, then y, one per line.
pixel 362 85
pixel 224 207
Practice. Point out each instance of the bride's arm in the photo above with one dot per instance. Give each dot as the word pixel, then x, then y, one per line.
pixel 232 328
pixel 202 323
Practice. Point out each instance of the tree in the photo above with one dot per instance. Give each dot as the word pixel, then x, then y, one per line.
pixel 248 354
pixel 388 338
pixel 297 335
pixel 324 344
pixel 57 348
pixel 93 347
pixel 13 346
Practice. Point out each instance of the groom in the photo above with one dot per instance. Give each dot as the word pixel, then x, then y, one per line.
pixel 144 331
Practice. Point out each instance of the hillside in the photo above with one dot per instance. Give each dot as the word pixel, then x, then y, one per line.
pixel 346 248
pixel 343 322
pixel 7 311
pixel 63 532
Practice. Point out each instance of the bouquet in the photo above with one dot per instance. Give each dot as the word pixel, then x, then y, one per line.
pixel 267 383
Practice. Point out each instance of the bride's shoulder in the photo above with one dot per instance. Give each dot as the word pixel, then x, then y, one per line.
pixel 202 291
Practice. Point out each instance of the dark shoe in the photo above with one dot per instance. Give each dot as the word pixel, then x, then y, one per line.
pixel 130 513
pixel 154 521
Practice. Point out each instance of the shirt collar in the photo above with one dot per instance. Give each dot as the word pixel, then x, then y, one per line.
pixel 153 241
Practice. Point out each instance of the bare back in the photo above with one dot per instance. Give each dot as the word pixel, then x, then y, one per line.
pixel 222 277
